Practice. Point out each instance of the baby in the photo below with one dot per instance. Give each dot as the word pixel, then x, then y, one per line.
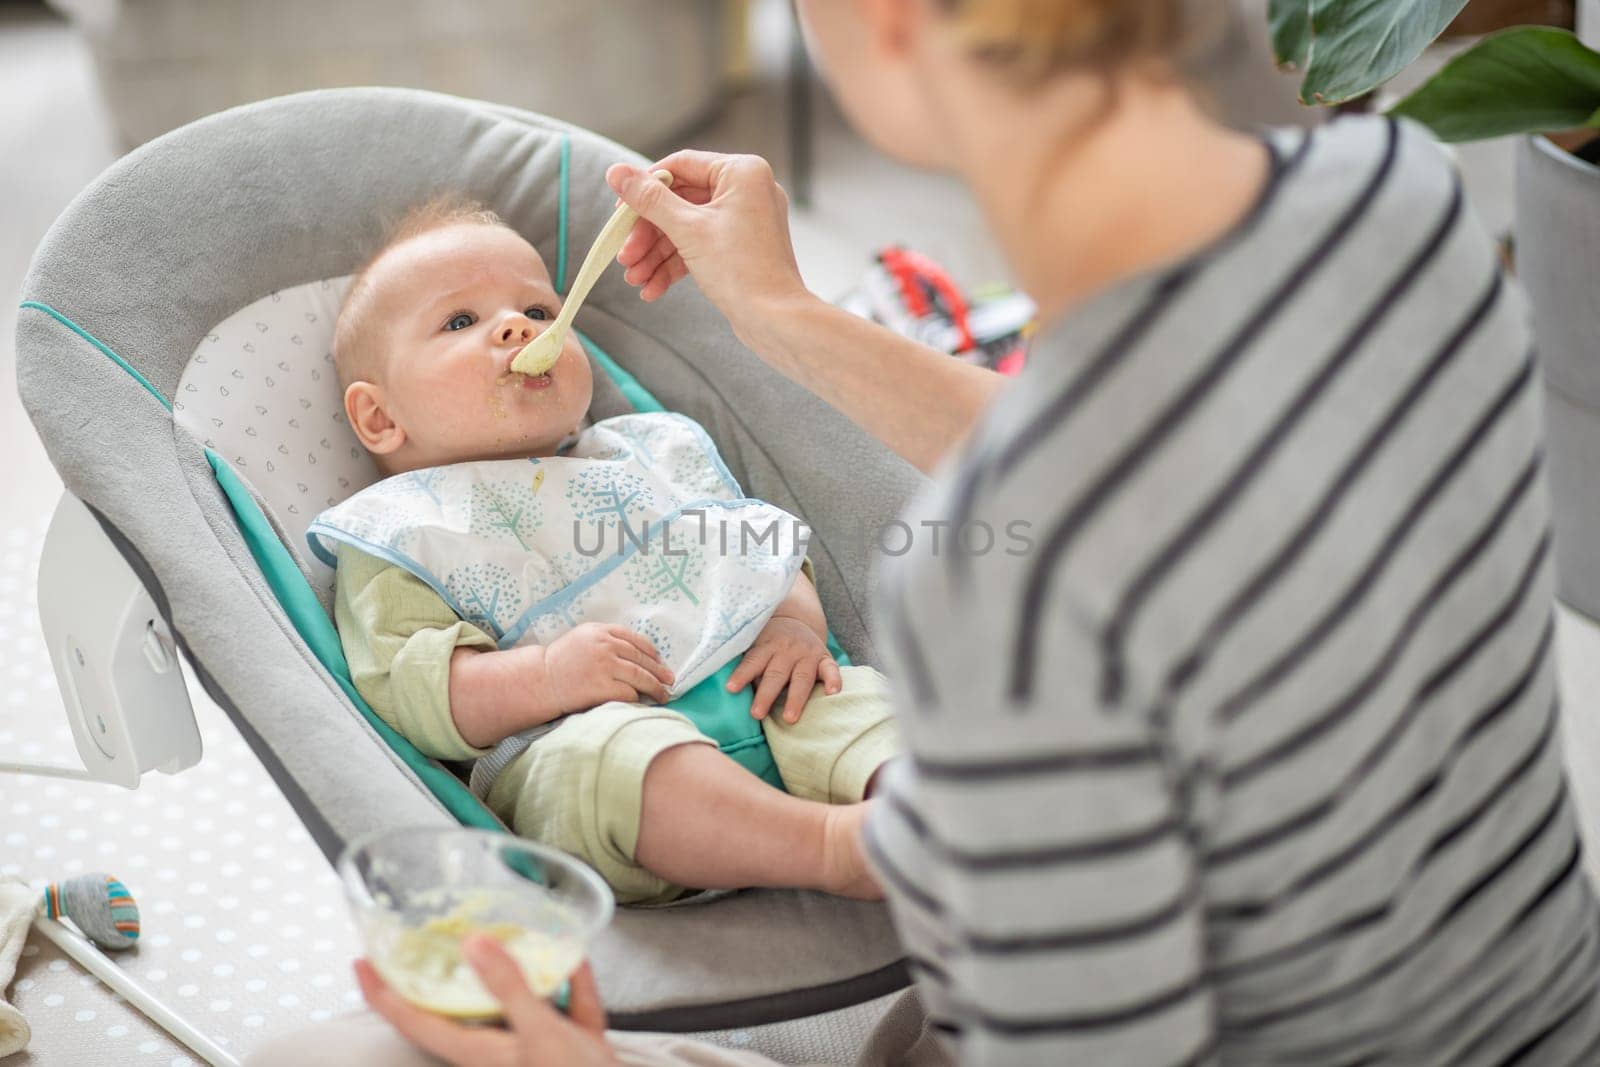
pixel 596 614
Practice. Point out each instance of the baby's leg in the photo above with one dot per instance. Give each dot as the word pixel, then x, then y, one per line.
pixel 708 822
pixel 834 752
pixel 647 800
pixel 579 788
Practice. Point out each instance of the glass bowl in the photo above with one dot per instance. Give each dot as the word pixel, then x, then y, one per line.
pixel 417 892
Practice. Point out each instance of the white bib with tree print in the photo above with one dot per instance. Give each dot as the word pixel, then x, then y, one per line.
pixel 636 522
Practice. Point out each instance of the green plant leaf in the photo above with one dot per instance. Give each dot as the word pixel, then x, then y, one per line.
pixel 1523 80
pixel 1357 45
pixel 1291 32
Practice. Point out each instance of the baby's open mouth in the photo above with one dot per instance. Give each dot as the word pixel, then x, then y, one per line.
pixel 525 381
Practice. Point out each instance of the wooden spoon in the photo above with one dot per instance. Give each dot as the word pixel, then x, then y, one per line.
pixel 542 352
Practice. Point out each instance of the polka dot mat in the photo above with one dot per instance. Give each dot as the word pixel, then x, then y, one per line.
pixel 245 932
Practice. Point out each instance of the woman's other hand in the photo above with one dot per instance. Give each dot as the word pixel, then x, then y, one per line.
pixel 539 1035
pixel 725 220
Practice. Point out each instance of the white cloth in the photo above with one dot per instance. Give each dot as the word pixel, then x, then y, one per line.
pixel 18 905
pixel 637 523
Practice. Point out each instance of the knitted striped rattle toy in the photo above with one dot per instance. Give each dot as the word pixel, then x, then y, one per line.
pixel 98 905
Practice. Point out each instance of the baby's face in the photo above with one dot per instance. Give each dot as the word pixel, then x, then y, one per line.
pixel 452 308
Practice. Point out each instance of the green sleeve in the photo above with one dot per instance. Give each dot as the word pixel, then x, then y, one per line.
pixel 398 637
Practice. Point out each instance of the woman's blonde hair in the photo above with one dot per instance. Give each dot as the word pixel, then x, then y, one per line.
pixel 1030 40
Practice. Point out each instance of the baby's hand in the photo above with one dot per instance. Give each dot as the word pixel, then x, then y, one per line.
pixel 787 652
pixel 596 662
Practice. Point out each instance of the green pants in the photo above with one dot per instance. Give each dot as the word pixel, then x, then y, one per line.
pixel 579 788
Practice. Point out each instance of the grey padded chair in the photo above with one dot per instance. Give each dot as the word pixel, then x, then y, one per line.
pixel 132 303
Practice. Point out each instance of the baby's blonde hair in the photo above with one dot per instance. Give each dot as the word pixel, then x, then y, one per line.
pixel 1030 40
pixel 353 352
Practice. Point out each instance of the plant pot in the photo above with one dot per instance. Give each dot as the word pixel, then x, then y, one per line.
pixel 1589 22
pixel 1487 16
pixel 1558 261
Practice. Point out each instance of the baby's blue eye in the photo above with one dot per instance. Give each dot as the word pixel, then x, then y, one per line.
pixel 461 321
pixel 537 313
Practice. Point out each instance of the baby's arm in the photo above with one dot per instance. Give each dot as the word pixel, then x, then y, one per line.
pixel 399 638
pixel 440 682
pixel 496 694
pixel 803 604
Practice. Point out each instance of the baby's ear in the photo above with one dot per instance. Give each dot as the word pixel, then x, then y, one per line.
pixel 377 430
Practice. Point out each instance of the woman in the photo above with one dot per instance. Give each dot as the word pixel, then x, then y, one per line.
pixel 1229 687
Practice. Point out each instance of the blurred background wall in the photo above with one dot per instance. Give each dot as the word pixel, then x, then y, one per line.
pixel 643 72
pixel 636 70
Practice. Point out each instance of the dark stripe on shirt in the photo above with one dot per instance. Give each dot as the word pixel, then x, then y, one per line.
pixel 1407 715
pixel 1091 1021
pixel 1519 1006
pixel 1359 921
pixel 1157 918
pixel 1242 848
pixel 1169 420
pixel 898 879
pixel 1254 910
pixel 1246 696
pixel 1092 850
pixel 1188 536
pixel 1268 575
pixel 1529 1047
pixel 1329 719
pixel 1397 959
pixel 1036 430
pixel 1111 758
pixel 915 666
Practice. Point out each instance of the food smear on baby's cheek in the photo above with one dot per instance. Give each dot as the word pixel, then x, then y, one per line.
pixel 424 963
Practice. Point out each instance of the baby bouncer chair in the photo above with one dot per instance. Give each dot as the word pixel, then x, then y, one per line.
pixel 172 351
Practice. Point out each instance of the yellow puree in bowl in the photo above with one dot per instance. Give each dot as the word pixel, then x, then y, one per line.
pixel 424 963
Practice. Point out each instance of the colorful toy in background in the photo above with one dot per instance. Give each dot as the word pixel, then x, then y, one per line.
pixel 914 296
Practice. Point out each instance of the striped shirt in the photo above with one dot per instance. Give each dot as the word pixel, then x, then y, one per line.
pixel 1223 657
